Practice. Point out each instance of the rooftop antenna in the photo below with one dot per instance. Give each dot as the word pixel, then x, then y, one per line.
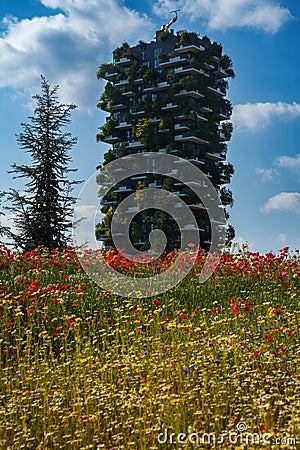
pixel 166 27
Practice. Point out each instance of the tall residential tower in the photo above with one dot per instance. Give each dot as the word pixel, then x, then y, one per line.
pixel 167 96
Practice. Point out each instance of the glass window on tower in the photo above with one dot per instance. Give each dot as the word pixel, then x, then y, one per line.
pixel 157 51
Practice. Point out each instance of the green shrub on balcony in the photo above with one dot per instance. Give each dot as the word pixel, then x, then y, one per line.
pixel 109 128
pixel 187 38
pixel 121 52
pixel 104 69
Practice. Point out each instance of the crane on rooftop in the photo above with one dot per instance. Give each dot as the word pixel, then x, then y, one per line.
pixel 167 26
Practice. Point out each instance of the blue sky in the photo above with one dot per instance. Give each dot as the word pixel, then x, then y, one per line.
pixel 66 41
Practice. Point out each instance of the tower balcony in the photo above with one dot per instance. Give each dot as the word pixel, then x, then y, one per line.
pixel 104 106
pixel 108 202
pixel 224 180
pixel 177 60
pixel 190 137
pixel 190 71
pixel 220 73
pixel 123 126
pixel 117 107
pixel 110 139
pixel 194 94
pixel 123 62
pixel 132 209
pixel 128 93
pixel 179 194
pixel 208 66
pixel 215 156
pixel 111 75
pixel 122 83
pixel 216 90
pixel 154 185
pixel 154 120
pixel 179 127
pixel 159 87
pixel 191 227
pixel 223 116
pixel 134 144
pixel 223 137
pixel 195 161
pixel 193 48
pixel 169 106
pixel 201 117
pixel 138 81
pixel 172 172
pixel 137 112
pixel 198 206
pixel 123 189
pixel 205 109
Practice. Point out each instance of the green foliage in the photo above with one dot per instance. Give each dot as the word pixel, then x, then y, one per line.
pixel 42 213
pixel 107 129
pixel 121 52
pixel 163 35
pixel 187 38
pixel 216 49
pixel 151 76
pixel 104 69
pixel 226 196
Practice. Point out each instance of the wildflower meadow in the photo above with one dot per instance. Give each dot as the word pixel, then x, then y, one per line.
pixel 82 368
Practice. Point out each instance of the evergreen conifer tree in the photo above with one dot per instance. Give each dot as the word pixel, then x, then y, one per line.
pixel 43 210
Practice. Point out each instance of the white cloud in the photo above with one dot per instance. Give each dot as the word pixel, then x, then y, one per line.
pixel 67 48
pixel 266 174
pixel 289 162
pixel 282 239
pixel 284 201
pixel 258 115
pixel 222 14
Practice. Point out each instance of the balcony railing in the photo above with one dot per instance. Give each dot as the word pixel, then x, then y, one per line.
pixel 110 139
pixel 190 48
pixel 159 87
pixel 122 189
pixel 220 73
pixel 128 94
pixel 123 125
pixel 111 75
pixel 190 71
pixel 198 206
pixel 123 62
pixel 134 144
pixel 193 94
pixel 205 109
pixel 122 83
pixel 174 61
pixel 216 90
pixel 179 127
pixel 169 106
pixel 223 137
pixel 118 106
pixel 215 156
pixel 223 116
pixel 190 137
